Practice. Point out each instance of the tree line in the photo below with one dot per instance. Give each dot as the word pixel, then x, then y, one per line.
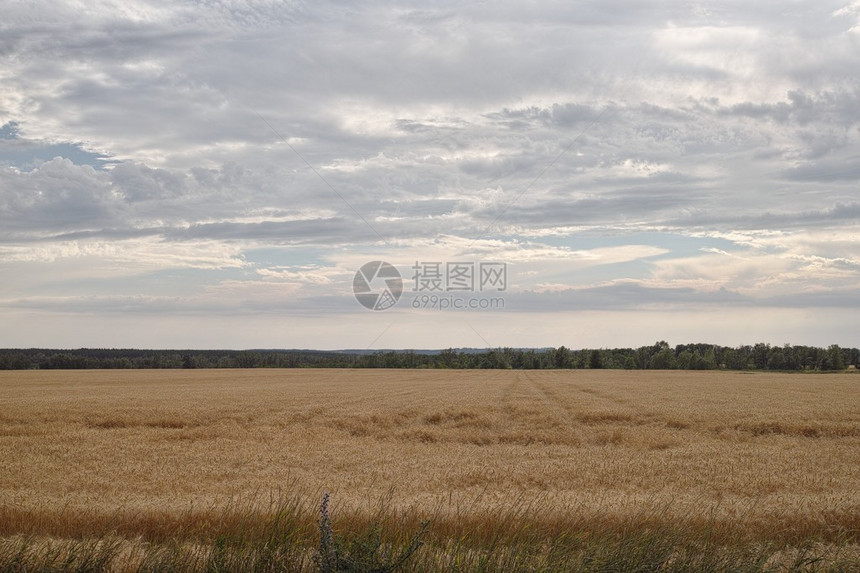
pixel 659 356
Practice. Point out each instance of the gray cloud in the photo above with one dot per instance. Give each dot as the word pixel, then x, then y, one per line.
pixel 828 216
pixel 323 125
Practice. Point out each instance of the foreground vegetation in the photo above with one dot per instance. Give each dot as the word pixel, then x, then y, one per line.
pixel 659 356
pixel 287 535
pixel 595 470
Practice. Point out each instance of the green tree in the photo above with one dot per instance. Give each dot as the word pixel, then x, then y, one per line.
pixel 561 357
pixel 697 362
pixel 776 359
pixel 837 359
pixel 248 359
pixel 663 360
pixel 710 358
pixel 760 353
pixel 594 360
pixel 448 358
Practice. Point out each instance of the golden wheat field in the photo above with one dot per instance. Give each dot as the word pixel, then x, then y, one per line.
pixel 772 455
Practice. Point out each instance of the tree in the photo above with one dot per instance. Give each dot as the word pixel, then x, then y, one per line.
pixel 776 359
pixel 448 358
pixel 684 359
pixel 561 357
pixel 837 359
pixel 248 359
pixel 594 360
pixel 663 360
pixel 643 357
pixel 760 354
pixel 710 358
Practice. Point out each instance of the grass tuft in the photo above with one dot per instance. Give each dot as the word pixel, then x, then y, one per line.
pixel 286 536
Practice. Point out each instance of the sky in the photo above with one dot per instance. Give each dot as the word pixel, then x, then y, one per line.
pixel 219 173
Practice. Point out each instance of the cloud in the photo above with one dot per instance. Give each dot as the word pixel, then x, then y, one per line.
pixel 616 154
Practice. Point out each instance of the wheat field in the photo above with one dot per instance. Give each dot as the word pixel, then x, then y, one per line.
pixel 151 454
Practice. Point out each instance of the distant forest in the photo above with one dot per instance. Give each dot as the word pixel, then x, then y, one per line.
pixel 658 356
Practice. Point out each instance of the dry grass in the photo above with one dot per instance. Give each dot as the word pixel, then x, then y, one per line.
pixel 159 455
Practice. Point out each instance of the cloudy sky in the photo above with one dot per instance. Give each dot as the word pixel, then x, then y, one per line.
pixel 212 174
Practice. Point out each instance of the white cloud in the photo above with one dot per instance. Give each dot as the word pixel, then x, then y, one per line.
pixel 610 152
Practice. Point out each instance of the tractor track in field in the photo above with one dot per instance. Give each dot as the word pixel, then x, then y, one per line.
pixel 551 401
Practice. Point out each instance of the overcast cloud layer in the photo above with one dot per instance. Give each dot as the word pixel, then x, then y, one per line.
pixel 213 174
